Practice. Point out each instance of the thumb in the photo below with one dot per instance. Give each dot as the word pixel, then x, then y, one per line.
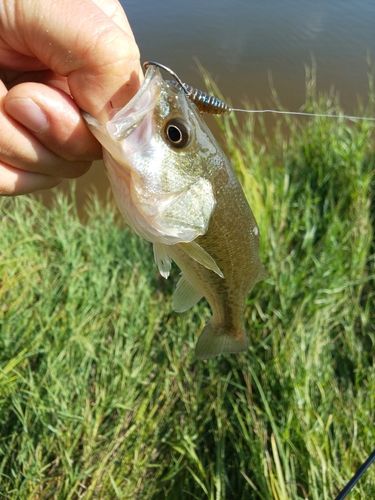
pixel 90 43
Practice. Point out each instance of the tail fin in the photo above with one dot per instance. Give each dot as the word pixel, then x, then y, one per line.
pixel 215 341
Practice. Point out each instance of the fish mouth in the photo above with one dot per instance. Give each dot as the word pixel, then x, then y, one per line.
pixel 128 118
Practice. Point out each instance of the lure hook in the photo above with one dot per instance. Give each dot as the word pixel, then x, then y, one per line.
pixel 206 103
pixel 168 70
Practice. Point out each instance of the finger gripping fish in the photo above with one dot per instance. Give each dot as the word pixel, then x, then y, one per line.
pixel 176 189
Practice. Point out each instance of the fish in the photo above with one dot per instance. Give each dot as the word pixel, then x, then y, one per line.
pixel 176 188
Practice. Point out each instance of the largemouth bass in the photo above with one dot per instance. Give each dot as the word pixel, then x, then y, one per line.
pixel 176 189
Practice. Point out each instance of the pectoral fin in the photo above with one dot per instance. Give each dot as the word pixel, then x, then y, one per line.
pixel 199 254
pixel 162 259
pixel 185 295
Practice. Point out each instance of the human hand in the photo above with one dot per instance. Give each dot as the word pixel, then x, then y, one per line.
pixel 57 57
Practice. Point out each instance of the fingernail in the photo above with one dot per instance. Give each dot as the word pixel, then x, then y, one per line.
pixel 28 113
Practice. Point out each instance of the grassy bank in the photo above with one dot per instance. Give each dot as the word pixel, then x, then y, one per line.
pixel 100 396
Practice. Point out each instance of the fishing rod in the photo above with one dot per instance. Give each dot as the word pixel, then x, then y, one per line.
pixel 357 476
pixel 208 103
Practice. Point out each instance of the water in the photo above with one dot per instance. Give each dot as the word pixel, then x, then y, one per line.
pixel 242 42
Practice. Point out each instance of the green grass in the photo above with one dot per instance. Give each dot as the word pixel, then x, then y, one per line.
pixel 100 396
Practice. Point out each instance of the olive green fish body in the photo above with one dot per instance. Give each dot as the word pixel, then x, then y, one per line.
pixel 232 240
pixel 176 189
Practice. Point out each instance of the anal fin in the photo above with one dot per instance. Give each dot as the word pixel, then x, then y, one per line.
pixel 185 295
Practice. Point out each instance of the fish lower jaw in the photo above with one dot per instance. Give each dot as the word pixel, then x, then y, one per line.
pixel 215 340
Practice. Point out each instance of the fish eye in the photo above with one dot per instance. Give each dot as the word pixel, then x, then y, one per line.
pixel 177 133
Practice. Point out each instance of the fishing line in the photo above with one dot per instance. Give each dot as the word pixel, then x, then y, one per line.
pixel 303 113
pixel 207 103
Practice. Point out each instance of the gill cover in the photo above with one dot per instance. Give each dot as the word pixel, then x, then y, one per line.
pixel 155 153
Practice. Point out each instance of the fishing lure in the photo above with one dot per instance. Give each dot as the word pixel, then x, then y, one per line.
pixel 208 103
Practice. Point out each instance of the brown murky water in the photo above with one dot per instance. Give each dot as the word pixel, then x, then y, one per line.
pixel 241 42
